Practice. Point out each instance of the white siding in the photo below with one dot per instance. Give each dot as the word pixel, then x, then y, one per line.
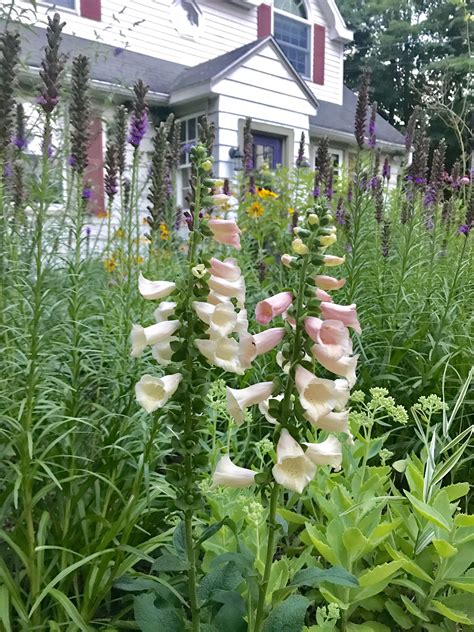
pixel 270 96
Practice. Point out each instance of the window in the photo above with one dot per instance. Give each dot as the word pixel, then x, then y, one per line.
pixel 186 17
pixel 293 33
pixel 67 4
pixel 189 135
pixel 337 160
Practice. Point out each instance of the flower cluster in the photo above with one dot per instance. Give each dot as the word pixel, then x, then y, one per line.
pixel 315 330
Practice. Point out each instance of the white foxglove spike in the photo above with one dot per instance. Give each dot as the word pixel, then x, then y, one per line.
pixel 240 399
pixel 164 310
pixel 319 396
pixel 328 452
pixel 293 469
pixel 222 352
pixel 153 290
pixel 231 289
pixel 153 393
pixel 141 337
pixel 227 474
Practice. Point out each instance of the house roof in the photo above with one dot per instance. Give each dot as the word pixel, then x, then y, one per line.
pixel 332 117
pixel 211 71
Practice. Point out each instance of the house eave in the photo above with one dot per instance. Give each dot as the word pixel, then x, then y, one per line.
pixel 338 30
pixel 345 137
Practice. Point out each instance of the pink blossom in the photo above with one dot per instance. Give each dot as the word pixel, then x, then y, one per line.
pixel 321 295
pixel 225 231
pixel 267 340
pixel 325 282
pixel 267 309
pixel 347 314
pixel 227 269
pixel 312 326
pixel 334 333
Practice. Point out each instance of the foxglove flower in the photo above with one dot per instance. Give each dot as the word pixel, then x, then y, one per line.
pixel 293 469
pixel 162 351
pixel 264 408
pixel 319 396
pixel 153 290
pixel 331 260
pixel 269 308
pixel 227 474
pixel 164 311
pixel 324 282
pixel 347 314
pixel 344 366
pixel 141 337
pixel 153 393
pixel 221 318
pixel 231 289
pixel 238 400
pixel 334 422
pixel 227 269
pixel 222 352
pixel 225 231
pixel 328 452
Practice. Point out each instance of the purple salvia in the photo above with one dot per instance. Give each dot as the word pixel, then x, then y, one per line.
pixel 252 185
pixel 52 65
pixel 379 201
pixel 340 212
pixel 456 175
pixel 437 166
pixel 120 137
pixel 139 116
pixel 323 162
pixel 158 195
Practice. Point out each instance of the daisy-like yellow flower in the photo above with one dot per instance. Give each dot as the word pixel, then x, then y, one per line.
pixel 255 210
pixel 291 211
pixel 110 264
pixel 266 194
pixel 119 233
pixel 102 214
pixel 139 260
pixel 164 232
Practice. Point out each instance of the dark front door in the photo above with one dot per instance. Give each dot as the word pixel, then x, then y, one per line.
pixel 267 149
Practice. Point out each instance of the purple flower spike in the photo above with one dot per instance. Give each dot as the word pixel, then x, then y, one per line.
pixel 72 160
pixel 464 229
pixel 316 192
pixel 138 127
pixel 8 170
pixel 20 143
pixel 86 193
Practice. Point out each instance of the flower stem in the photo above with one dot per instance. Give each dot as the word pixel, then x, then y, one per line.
pixel 272 527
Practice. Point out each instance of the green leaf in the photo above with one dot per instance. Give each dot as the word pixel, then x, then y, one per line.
pixel 458 490
pixel 179 540
pixel 231 616
pixel 321 546
pixel 169 562
pixel 356 544
pixel 291 516
pixel 70 609
pixel 379 573
pixel 288 616
pixel 314 576
pixel 399 615
pixel 464 520
pixel 150 618
pixel 368 626
pixel 408 565
pixel 412 586
pixel 444 548
pixel 213 529
pixel 452 615
pixel 431 514
pixel 226 577
pixel 413 608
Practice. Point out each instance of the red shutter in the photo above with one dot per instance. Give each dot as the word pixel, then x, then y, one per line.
pixel 91 9
pixel 264 20
pixel 94 174
pixel 319 48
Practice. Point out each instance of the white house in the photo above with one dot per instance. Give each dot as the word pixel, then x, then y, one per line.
pixel 277 61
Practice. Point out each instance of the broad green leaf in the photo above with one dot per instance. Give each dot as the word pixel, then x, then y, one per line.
pixel 399 615
pixel 464 520
pixel 379 573
pixel 383 530
pixel 291 516
pixel 279 576
pixel 431 514
pixel 356 544
pixel 226 577
pixel 288 616
pixel 150 618
pixel 413 608
pixel 321 546
pixel 409 565
pixel 179 540
pixel 465 583
pixel 231 616
pixel 168 562
pixel 314 576
pixel 458 490
pixel 368 626
pixel 412 586
pixel 452 615
pixel 444 548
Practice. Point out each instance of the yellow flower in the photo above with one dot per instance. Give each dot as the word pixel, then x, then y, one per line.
pixel 291 211
pixel 328 240
pixel 139 260
pixel 110 264
pixel 313 219
pixel 299 247
pixel 255 210
pixel 266 194
pixel 103 214
pixel 164 232
pixel 119 233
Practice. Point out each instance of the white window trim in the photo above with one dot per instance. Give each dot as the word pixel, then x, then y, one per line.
pixel 52 5
pixel 340 153
pixel 180 201
pixel 309 24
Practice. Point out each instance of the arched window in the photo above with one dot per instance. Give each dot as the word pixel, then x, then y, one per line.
pixel 292 31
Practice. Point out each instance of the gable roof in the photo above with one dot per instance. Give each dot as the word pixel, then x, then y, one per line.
pixel 338 29
pixel 339 119
pixel 215 69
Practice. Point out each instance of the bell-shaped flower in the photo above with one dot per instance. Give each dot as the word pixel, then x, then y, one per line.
pixel 299 246
pixel 318 396
pixel 242 324
pixel 162 351
pixel 264 408
pixel 153 290
pixel 332 260
pixel 334 334
pixel 287 260
pixel 344 366
pixel 164 310
pixel 267 340
pixel 240 399
pixel 227 269
pixel 271 307
pixel 225 231
pixel 328 282
pixel 293 469
pixel 322 295
pixel 227 474
pixel 347 314
pixel 222 352
pixel 141 337
pixel 220 199
pixel 328 452
pixel 247 350
pixel 221 318
pixel 214 298
pixel 334 422
pixel 153 392
pixel 312 325
pixel 231 289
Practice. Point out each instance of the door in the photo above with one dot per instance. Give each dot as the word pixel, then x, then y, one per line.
pixel 267 149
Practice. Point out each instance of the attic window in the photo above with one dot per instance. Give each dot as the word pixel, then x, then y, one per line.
pixel 293 34
pixel 186 17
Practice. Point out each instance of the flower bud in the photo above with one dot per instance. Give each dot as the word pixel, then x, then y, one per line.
pixel 313 219
pixel 327 240
pixel 299 247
